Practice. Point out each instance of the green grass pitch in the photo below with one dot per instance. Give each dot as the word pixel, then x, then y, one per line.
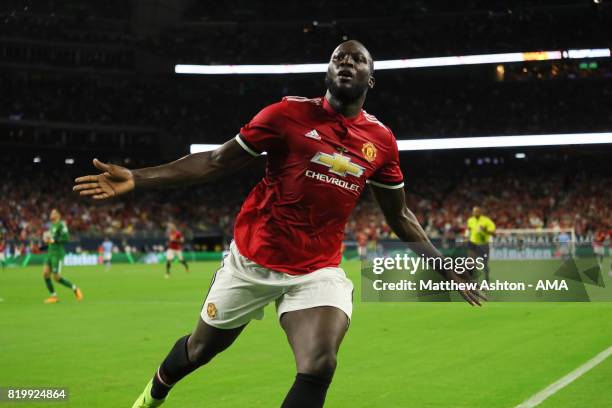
pixel 396 355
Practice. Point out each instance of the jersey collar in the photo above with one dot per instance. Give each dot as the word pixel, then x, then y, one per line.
pixel 343 119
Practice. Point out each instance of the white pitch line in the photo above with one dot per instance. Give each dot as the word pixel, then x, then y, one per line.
pixel 537 399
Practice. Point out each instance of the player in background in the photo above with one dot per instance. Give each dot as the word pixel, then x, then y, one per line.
pixel 565 245
pixel 479 231
pixel 107 252
pixel 56 238
pixel 610 250
pixel 2 252
pixel 175 248
pixel 598 246
pixel 2 256
pixel 288 234
pixel 362 245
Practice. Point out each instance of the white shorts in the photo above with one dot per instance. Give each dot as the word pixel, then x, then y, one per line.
pixel 171 253
pixel 241 289
pixel 107 257
pixel 599 250
pixel 2 258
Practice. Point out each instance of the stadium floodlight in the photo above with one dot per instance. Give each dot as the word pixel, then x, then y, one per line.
pixel 520 155
pixel 480 142
pixel 397 64
pixel 505 141
pixel 250 69
pixel 37 159
pixel 587 53
pixel 69 160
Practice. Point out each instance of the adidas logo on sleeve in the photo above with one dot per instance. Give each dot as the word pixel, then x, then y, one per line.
pixel 313 134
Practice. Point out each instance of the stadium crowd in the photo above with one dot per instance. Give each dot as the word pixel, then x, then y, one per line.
pixel 442 201
pixel 513 199
pixel 27 199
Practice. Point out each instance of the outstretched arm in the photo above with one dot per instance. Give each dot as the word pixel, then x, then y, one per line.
pixel 402 221
pixel 405 225
pixel 191 169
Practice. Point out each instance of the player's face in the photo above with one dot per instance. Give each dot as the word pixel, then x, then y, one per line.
pixel 54 216
pixel 349 75
pixel 476 212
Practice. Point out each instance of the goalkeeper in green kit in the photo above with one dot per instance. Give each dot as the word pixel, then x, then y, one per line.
pixel 56 238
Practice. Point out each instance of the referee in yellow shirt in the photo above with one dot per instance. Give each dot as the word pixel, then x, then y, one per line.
pixel 480 229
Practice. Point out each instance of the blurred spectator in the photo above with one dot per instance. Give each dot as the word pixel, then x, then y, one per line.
pixel 513 198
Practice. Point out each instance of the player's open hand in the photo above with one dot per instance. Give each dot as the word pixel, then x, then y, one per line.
pixel 473 296
pixel 115 180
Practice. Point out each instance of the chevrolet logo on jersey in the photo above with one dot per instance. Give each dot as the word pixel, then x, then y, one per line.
pixel 338 164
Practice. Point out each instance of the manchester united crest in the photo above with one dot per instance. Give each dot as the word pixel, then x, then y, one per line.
pixel 211 309
pixel 369 151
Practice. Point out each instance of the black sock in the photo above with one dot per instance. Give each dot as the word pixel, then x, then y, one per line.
pixel 49 285
pixel 174 368
pixel 185 265
pixel 168 263
pixel 308 391
pixel 160 389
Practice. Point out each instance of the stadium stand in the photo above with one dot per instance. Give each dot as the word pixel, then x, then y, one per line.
pixel 81 79
pixel 569 193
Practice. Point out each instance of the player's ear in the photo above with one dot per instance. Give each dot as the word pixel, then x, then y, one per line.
pixel 371 82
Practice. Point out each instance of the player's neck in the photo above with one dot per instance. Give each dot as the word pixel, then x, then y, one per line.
pixel 346 109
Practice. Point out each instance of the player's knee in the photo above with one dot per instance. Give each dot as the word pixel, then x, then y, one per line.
pixel 321 363
pixel 200 352
pixel 57 277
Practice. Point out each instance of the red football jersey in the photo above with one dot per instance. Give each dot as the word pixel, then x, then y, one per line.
pixel 318 163
pixel 175 241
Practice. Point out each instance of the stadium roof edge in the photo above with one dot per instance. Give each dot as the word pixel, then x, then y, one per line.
pixel 481 142
pixel 398 63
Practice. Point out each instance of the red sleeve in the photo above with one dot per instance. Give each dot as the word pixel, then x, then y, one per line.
pixel 389 175
pixel 264 131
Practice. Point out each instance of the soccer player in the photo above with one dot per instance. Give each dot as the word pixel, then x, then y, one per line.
pixel 610 250
pixel 2 252
pixel 362 245
pixel 289 232
pixel 480 229
pixel 598 246
pixel 565 244
pixel 175 248
pixel 56 239
pixel 107 252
